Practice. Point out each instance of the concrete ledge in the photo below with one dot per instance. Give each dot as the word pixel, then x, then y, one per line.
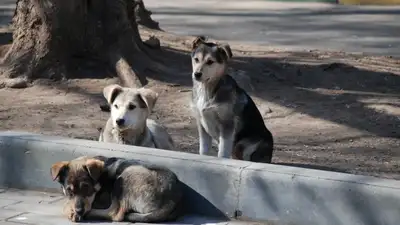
pixel 369 2
pixel 220 188
pixel 307 1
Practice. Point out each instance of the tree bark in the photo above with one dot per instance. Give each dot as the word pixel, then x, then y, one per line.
pixel 51 38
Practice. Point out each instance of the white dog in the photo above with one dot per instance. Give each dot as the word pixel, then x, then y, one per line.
pixel 129 123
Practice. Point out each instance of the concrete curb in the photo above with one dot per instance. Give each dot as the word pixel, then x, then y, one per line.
pixel 305 1
pixel 220 188
pixel 369 2
pixel 345 2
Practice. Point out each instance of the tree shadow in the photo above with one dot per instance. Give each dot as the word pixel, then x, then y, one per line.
pixel 343 101
pixel 333 91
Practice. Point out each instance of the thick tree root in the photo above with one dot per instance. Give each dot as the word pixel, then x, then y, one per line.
pixel 143 16
pixel 126 72
pixel 19 82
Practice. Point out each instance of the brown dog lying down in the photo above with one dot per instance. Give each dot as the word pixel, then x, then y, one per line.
pixel 139 192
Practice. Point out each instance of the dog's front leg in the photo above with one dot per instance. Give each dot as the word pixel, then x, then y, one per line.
pixel 205 139
pixel 107 214
pixel 103 214
pixel 226 140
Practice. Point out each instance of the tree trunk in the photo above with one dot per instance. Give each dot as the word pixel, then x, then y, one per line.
pixel 51 38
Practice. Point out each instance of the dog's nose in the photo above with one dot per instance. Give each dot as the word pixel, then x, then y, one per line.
pixel 120 122
pixel 79 210
pixel 197 75
pixel 77 218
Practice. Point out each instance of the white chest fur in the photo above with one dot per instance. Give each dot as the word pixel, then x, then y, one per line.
pixel 202 105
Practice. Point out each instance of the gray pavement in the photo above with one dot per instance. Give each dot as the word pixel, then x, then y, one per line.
pixel 290 25
pixel 285 25
pixel 41 208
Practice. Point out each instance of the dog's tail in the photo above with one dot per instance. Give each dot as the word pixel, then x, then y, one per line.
pixel 170 211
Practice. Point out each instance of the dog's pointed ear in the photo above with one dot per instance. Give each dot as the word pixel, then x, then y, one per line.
pixel 199 40
pixel 111 92
pixel 225 51
pixel 57 170
pixel 95 168
pixel 149 97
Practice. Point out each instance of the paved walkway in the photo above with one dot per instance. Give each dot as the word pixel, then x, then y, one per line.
pixel 287 25
pixel 290 25
pixel 40 208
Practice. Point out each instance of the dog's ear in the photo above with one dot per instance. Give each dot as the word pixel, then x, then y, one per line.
pixel 199 40
pixel 95 168
pixel 111 92
pixel 224 51
pixel 149 97
pixel 58 170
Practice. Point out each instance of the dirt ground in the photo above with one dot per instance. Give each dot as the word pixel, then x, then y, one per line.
pixel 326 110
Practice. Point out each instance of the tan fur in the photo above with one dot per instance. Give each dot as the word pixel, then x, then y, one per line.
pixel 146 193
pixel 108 91
pixel 95 168
pixel 149 96
pixel 138 129
pixel 76 171
pixel 140 195
pixel 56 167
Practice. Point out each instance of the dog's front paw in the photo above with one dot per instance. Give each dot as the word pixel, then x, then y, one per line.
pixel 74 217
pixel 71 216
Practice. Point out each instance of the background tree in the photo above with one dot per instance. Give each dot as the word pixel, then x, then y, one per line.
pixel 52 38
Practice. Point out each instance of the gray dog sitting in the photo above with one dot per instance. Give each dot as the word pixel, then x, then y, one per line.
pixel 224 112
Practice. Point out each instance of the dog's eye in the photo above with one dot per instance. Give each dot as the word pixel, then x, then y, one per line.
pixel 131 107
pixel 196 60
pixel 85 188
pixel 209 62
pixel 116 106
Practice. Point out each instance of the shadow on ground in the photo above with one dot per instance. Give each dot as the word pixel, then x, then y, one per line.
pixel 335 91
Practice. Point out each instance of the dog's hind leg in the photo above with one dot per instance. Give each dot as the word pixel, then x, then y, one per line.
pixel 115 212
pixel 118 215
pixel 168 212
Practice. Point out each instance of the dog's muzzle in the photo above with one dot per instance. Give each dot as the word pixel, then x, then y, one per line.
pixel 197 75
pixel 120 122
pixel 77 218
pixel 79 210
